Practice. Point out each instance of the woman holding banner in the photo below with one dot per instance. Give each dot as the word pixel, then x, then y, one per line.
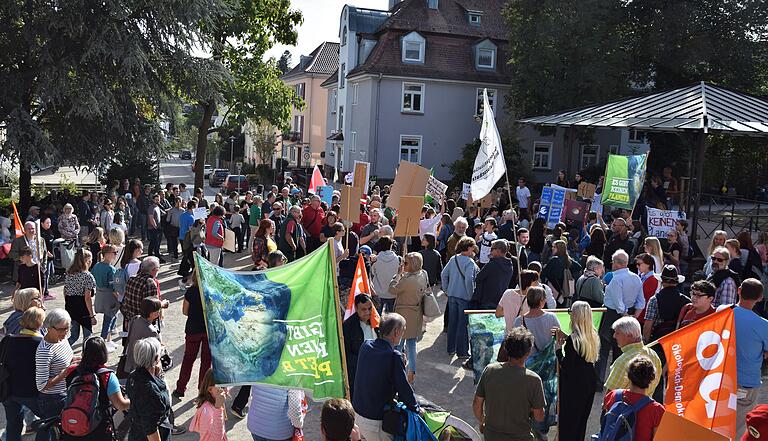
pixel 578 376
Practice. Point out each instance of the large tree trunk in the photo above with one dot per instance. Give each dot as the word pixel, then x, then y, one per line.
pixel 25 187
pixel 202 142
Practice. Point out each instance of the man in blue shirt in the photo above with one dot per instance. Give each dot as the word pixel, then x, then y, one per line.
pixel 623 297
pixel 186 220
pixel 751 349
pixel 381 375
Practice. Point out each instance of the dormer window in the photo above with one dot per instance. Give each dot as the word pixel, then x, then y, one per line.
pixel 344 36
pixel 474 18
pixel 485 55
pixel 432 4
pixel 413 48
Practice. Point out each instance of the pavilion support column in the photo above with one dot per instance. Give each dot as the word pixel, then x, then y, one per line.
pixel 703 140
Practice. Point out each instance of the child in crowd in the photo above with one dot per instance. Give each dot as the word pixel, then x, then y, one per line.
pixel 210 415
pixel 29 271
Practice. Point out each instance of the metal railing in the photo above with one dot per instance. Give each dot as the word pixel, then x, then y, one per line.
pixel 731 214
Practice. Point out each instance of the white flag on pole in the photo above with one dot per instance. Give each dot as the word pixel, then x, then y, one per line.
pixel 489 164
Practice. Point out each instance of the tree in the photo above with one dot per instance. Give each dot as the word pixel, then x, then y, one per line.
pixel 284 63
pixel 461 169
pixel 253 90
pixel 85 81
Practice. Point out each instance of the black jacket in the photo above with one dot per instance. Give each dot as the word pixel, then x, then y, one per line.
pixel 353 339
pixel 150 406
pixel 433 264
pixel 492 280
pixel 616 243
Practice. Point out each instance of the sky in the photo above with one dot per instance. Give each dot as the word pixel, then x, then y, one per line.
pixel 321 23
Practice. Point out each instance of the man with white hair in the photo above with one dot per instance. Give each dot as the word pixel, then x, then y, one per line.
pixel 28 242
pixel 627 333
pixel 623 297
pixel 460 226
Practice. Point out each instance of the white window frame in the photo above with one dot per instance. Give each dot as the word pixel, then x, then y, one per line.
pixel 433 4
pixel 352 141
pixel 413 94
pixel 593 158
pixel 479 100
pixel 614 149
pixel 344 37
pixel 342 75
pixel 410 148
pixel 634 138
pixel 476 16
pixel 493 58
pixel 300 90
pixel 413 37
pixel 334 100
pixel 354 93
pixel 340 120
pixel 536 154
pixel 293 154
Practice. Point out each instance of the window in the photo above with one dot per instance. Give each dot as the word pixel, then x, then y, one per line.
pixel 293 154
pixel 354 93
pixel 486 58
pixel 342 75
pixel 344 36
pixel 352 141
pixel 334 100
pixel 413 48
pixel 341 119
pixel 410 148
pixel 474 18
pixel 542 155
pixel 432 4
pixel 636 136
pixel 413 98
pixel 589 155
pixel 479 101
pixel 299 89
pixel 614 149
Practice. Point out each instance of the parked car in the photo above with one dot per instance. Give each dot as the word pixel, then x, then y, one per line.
pixel 207 169
pixel 217 177
pixel 237 183
pixel 185 154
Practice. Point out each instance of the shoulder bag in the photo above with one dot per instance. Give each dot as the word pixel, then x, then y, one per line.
pixel 429 306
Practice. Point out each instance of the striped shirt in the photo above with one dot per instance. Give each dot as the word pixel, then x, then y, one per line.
pixel 50 360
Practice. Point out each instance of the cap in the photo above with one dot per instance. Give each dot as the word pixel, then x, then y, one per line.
pixel 669 274
pixel 295 191
pixel 366 250
pixel 757 424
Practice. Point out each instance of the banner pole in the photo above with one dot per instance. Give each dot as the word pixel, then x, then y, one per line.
pixel 339 318
pixel 38 240
pixel 514 228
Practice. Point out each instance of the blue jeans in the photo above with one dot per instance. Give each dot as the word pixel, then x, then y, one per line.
pixel 47 273
pixel 258 438
pixel 141 224
pixel 14 415
pixel 74 333
pixel 458 339
pixel 109 323
pixel 410 352
pixel 49 405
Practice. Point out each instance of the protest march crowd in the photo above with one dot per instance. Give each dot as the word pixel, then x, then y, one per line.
pixel 499 257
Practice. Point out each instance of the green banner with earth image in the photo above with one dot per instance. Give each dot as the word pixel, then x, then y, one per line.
pixel 277 327
pixel 624 178
pixel 486 332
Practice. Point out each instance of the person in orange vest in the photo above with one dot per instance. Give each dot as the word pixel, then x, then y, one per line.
pixel 214 235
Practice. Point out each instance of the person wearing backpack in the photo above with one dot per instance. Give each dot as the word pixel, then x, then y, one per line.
pixel 632 407
pixel 664 307
pixel 92 392
pixel 555 276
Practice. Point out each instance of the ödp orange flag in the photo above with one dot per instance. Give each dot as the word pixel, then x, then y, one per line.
pixel 360 285
pixel 17 225
pixel 701 363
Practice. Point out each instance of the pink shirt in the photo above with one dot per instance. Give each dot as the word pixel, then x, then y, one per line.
pixel 514 305
pixel 209 423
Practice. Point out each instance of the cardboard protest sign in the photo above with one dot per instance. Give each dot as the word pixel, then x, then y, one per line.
pixel 487 201
pixel 586 190
pixel 465 190
pixel 361 175
pixel 350 204
pixel 662 221
pixel 408 216
pixel 436 189
pixel 575 213
pixel 325 192
pixel 411 180
pixel 229 240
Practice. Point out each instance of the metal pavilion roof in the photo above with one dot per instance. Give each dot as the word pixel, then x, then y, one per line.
pixel 701 107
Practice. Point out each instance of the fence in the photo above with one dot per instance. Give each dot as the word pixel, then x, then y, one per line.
pixel 731 214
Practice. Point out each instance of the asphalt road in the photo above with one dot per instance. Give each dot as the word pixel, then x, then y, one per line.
pixel 440 377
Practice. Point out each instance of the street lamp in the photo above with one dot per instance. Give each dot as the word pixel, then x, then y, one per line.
pixel 231 153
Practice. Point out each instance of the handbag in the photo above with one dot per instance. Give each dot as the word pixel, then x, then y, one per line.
pixel 166 361
pixel 430 307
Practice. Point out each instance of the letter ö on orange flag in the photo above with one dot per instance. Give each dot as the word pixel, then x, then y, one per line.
pixel 701 364
pixel 360 285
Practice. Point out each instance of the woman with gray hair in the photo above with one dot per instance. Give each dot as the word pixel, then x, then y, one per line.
pixel 589 287
pixel 23 299
pixel 52 357
pixel 151 420
pixel 69 226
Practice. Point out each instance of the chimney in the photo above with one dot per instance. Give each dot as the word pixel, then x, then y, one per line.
pixel 392 3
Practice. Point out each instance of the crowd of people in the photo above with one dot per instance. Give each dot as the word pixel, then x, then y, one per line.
pixel 499 259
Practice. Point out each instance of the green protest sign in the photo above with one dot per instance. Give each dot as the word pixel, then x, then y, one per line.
pixel 624 178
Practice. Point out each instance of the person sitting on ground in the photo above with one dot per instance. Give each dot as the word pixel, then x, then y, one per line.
pixel 642 373
pixel 508 393
pixel 626 331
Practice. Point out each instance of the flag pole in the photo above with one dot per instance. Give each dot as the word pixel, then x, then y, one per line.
pixel 337 303
pixel 38 239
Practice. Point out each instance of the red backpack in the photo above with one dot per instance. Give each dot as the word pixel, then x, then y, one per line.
pixel 86 404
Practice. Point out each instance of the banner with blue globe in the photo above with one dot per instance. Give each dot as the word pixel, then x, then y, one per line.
pixel 278 327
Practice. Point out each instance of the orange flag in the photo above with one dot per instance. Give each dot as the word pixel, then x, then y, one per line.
pixel 17 225
pixel 360 285
pixel 701 363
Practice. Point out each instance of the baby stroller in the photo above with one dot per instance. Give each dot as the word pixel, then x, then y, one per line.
pixel 63 256
pixel 444 426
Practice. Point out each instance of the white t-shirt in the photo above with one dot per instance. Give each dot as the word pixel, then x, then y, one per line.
pixel 485 246
pixel 523 196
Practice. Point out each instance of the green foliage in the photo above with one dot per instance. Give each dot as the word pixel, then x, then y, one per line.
pixel 131 165
pixel 284 63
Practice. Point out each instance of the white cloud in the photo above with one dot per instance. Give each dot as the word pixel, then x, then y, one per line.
pixel 321 23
